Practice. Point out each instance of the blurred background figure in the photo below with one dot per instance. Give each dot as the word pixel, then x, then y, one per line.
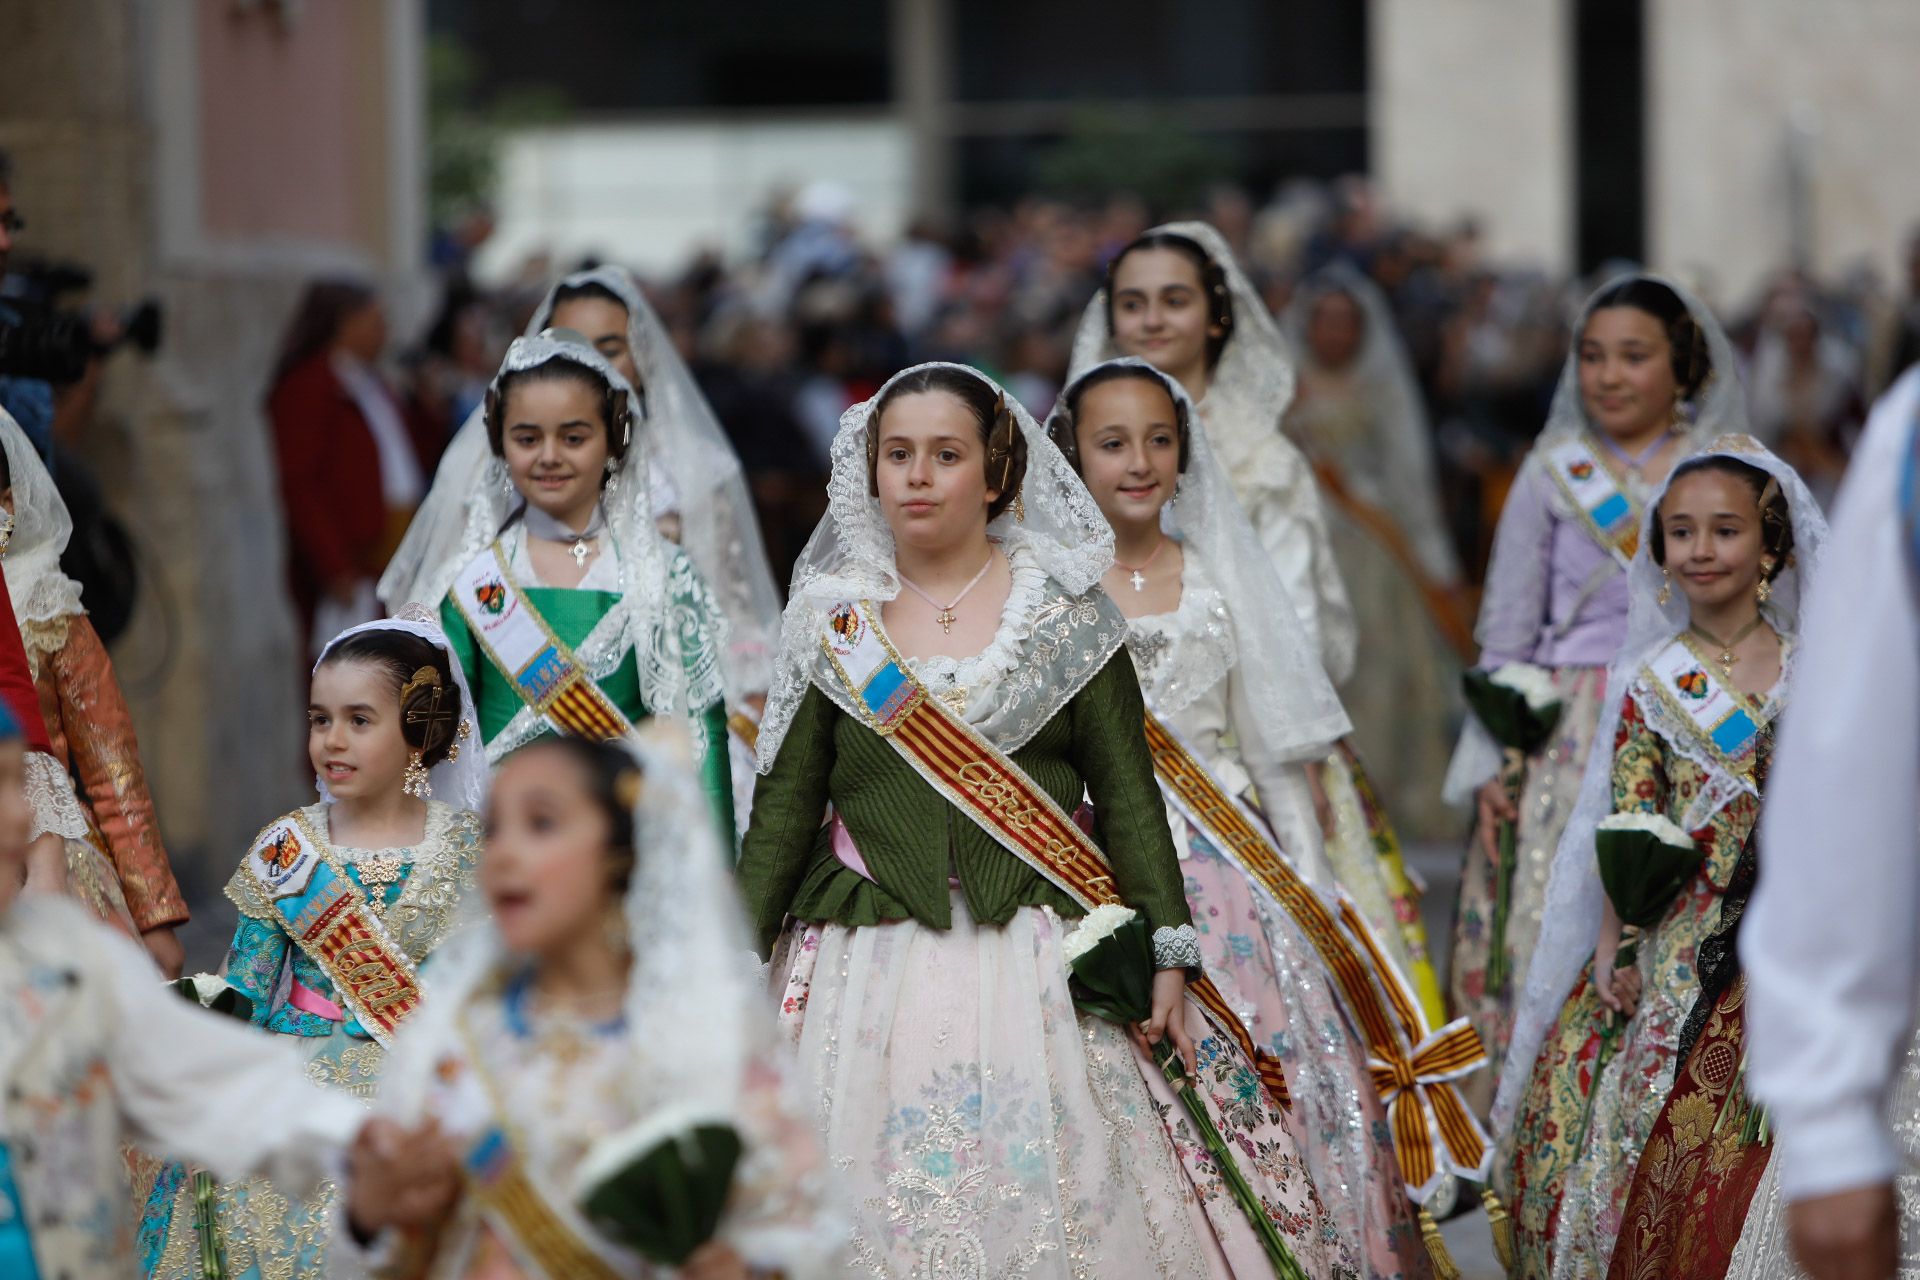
pixel 353 464
pixel 1359 416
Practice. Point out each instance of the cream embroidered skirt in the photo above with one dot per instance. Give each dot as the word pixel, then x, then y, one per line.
pixel 979 1127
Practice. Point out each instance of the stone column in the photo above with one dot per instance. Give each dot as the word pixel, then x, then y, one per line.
pixel 1471 114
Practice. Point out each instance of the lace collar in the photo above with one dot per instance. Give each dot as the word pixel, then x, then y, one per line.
pixel 1050 643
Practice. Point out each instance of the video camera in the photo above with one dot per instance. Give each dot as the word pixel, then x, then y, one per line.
pixel 38 340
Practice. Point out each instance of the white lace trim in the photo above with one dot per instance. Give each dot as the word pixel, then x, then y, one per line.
pixel 1182 655
pixel 1682 736
pixel 40 592
pixel 1176 947
pixel 50 793
pixel 981 674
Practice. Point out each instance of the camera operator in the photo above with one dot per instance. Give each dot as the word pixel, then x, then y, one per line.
pixel 28 399
pixel 50 363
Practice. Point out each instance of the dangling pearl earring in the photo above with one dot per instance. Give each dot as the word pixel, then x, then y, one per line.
pixel 1666 588
pixel 1763 590
pixel 414 781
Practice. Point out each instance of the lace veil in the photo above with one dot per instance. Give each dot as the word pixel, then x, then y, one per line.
pixel 850 555
pixel 1517 575
pixel 693 471
pixel 462 779
pixel 1571 922
pixel 1248 392
pixel 1296 712
pixel 1252 383
pixel 1401 474
pixel 41 527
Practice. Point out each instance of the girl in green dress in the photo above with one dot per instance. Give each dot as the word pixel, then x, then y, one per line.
pixel 568 610
pixel 978 1124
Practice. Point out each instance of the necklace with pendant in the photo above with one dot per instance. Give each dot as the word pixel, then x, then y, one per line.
pixel 1727 658
pixel 946 616
pixel 1635 461
pixel 1137 572
pixel 580 546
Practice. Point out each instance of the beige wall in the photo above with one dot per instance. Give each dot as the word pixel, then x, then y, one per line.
pixel 1470 114
pixel 213 154
pixel 1730 84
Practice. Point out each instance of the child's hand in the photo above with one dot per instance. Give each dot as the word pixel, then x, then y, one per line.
pixel 163 944
pixel 1168 1020
pixel 715 1261
pixel 400 1177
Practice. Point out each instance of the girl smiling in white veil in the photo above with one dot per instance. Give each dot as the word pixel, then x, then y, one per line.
pixel 1225 665
pixel 1714 592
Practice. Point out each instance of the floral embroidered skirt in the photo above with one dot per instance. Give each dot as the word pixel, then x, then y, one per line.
pixel 980 1127
pixel 263 1234
pixel 1596 1090
pixel 1548 794
pixel 1696 1177
pixel 1273 978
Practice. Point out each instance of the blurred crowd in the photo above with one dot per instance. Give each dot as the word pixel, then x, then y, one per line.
pixel 817 316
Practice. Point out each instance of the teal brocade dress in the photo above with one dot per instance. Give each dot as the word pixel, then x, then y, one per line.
pixel 418 892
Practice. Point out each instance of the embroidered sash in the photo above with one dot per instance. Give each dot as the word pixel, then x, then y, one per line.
pixel 1727 726
pixel 1413 1068
pixel 328 917
pixel 978 779
pixel 539 666
pixel 1609 516
pixel 535 1231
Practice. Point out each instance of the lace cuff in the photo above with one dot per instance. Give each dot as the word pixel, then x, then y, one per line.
pixel 50 792
pixel 1176 948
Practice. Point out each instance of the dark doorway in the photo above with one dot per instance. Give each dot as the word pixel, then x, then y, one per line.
pixel 1610 130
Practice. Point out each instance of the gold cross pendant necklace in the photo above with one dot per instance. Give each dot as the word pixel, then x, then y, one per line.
pixel 1727 658
pixel 946 616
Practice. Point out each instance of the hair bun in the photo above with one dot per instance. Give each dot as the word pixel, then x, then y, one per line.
pixel 424 705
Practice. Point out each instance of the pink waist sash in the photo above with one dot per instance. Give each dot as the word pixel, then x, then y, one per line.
pixel 307 1000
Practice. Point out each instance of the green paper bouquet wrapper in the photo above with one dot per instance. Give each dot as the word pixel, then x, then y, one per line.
pixel 660 1187
pixel 1645 862
pixel 1520 709
pixel 216 995
pixel 1516 703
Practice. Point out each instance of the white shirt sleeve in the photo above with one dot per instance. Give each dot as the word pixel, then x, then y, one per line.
pixel 1829 945
pixel 210 1090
